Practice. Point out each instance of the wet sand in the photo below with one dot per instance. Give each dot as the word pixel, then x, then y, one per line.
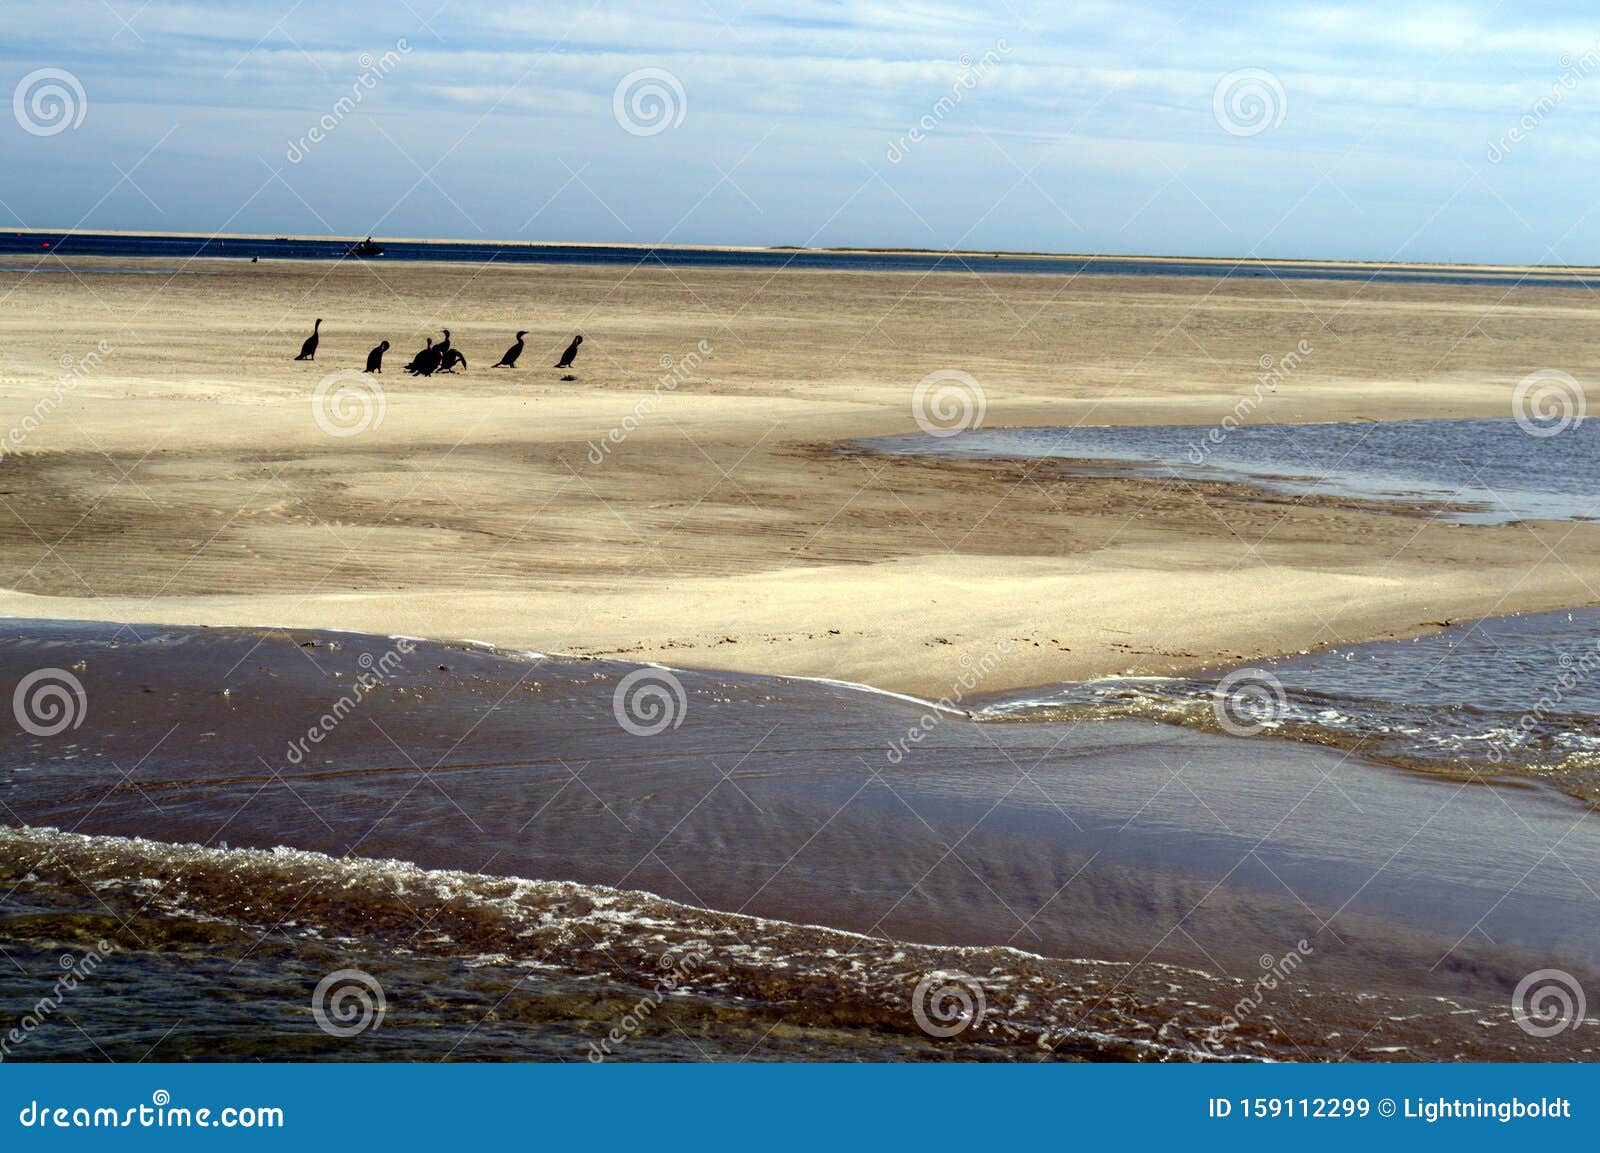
pixel 184 479
pixel 1147 848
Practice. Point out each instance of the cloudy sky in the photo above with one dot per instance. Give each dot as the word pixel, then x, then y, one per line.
pixel 1384 131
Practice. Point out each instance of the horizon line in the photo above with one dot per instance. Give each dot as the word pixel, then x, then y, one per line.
pixel 1020 254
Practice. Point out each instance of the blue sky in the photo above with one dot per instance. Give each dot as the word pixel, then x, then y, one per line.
pixel 1383 131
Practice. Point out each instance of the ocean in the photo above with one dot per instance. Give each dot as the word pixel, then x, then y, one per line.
pixel 41 244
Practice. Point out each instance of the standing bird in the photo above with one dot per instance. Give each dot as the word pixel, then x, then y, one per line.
pixel 452 357
pixel 444 345
pixel 375 358
pixel 308 350
pixel 571 354
pixel 509 360
pixel 425 361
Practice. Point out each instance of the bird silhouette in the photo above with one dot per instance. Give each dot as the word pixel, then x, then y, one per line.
pixel 571 354
pixel 425 361
pixel 451 358
pixel 375 358
pixel 308 350
pixel 509 360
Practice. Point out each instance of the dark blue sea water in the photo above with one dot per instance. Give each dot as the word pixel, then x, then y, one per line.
pixel 301 248
pixel 1488 471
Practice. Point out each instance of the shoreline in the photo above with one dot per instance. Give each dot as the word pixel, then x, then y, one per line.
pixel 995 704
pixel 1095 860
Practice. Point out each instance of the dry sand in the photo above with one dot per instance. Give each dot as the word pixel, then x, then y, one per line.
pixel 184 479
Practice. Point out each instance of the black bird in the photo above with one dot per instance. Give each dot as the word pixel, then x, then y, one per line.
pixel 571 354
pixel 452 357
pixel 444 345
pixel 375 358
pixel 308 350
pixel 509 360
pixel 425 361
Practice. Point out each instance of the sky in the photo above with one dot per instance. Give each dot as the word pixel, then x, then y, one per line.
pixel 1286 130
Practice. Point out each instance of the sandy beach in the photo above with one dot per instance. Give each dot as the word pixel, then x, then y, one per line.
pixel 183 478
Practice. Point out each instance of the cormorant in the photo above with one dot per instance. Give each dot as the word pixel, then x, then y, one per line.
pixel 571 354
pixel 452 357
pixel 308 350
pixel 425 361
pixel 375 358
pixel 509 360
